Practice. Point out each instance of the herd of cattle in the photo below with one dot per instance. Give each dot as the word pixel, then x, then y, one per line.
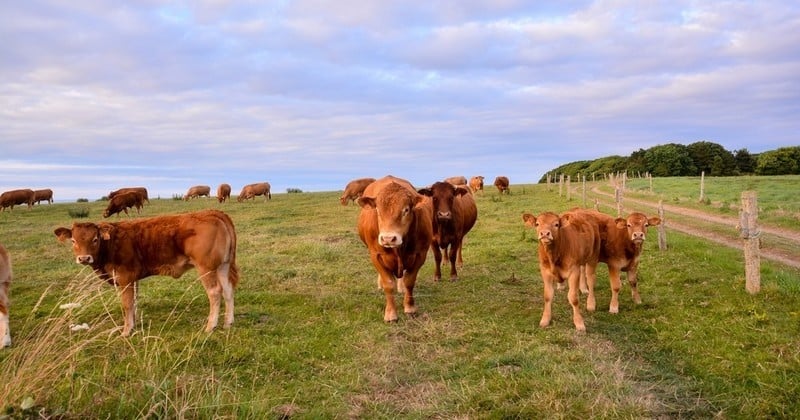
pixel 398 223
pixel 25 196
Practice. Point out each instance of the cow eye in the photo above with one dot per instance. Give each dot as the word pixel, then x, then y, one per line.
pixel 73 241
pixel 556 224
pixel 630 225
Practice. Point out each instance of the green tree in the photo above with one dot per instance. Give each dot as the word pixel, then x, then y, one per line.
pixel 783 161
pixel 745 162
pixel 669 160
pixel 712 159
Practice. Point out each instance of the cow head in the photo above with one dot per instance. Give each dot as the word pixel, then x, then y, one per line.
pixel 394 205
pixel 443 194
pixel 86 240
pixel 547 226
pixel 637 224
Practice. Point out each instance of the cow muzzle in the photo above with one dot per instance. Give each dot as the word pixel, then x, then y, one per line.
pixel 84 259
pixel 444 216
pixel 638 237
pixel 545 237
pixel 390 240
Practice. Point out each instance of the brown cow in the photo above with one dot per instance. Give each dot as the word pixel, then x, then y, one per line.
pixel 621 247
pixel 354 189
pixel 140 190
pixel 5 282
pixel 252 190
pixel 124 201
pixel 43 195
pixel 13 197
pixel 197 191
pixel 395 223
pixel 456 180
pixel 454 214
pixel 223 192
pixel 125 252
pixel 476 183
pixel 501 182
pixel 566 243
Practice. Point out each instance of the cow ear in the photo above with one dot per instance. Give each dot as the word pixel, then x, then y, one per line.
pixel 565 219
pixel 426 191
pixel 63 234
pixel 621 223
pixel 530 220
pixel 419 200
pixel 367 203
pixel 654 221
pixel 106 229
pixel 462 190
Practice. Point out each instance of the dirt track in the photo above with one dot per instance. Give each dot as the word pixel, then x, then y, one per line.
pixel 792 260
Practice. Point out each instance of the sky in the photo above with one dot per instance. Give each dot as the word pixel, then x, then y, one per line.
pixel 311 94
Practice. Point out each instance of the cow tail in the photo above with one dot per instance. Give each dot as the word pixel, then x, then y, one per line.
pixel 233 273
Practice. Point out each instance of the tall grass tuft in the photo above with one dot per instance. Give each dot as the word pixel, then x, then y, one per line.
pixel 78 213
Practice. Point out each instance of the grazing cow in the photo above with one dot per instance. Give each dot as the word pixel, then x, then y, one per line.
pixel 124 201
pixel 223 192
pixel 125 252
pixel 140 190
pixel 456 180
pixel 501 182
pixel 5 282
pixel 354 189
pixel 43 195
pixel 197 191
pixel 454 214
pixel 476 183
pixel 566 243
pixel 252 190
pixel 395 223
pixel 13 197
pixel 621 247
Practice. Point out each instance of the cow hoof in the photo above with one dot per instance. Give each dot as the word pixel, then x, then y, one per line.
pixel 454 278
pixel 437 278
pixel 613 310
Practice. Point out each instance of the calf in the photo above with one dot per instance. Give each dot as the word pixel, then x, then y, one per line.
pixel 197 191
pixel 454 214
pixel 122 253
pixel 354 189
pixel 566 243
pixel 5 282
pixel 621 247
pixel 395 223
pixel 223 192
pixel 124 201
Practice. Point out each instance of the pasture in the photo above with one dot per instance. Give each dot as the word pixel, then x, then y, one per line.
pixel 309 341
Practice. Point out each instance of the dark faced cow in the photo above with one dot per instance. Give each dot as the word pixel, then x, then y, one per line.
pixel 454 214
pixel 125 252
pixel 395 223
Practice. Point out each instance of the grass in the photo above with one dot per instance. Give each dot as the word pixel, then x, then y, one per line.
pixel 309 340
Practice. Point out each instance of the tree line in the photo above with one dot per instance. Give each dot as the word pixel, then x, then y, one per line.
pixel 674 159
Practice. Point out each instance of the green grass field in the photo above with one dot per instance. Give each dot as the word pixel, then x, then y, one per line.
pixel 309 340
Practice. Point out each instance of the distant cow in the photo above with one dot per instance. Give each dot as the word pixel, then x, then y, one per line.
pixel 140 190
pixel 5 282
pixel 223 192
pixel 454 214
pixel 566 243
pixel 122 253
pixel 395 223
pixel 252 190
pixel 124 201
pixel 476 183
pixel 354 189
pixel 621 247
pixel 13 197
pixel 43 195
pixel 456 180
pixel 197 191
pixel 501 182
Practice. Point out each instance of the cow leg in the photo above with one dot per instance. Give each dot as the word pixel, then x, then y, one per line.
pixel 453 254
pixel 547 281
pixel 574 301
pixel 227 293
pixel 5 331
pixel 633 280
pixel 437 258
pixel 460 259
pixel 388 285
pixel 127 294
pixel 214 292
pixel 409 281
pixel 614 279
pixel 588 280
pixel 584 286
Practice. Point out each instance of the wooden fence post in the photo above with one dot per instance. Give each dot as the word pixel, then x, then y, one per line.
pixel 560 185
pixel 748 226
pixel 584 192
pixel 662 231
pixel 702 186
pixel 650 177
pixel 618 199
pixel 569 193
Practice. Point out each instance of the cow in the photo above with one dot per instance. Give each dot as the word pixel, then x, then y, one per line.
pixel 567 243
pixel 476 183
pixel 13 197
pixel 140 190
pixel 123 253
pixel 197 191
pixel 501 182
pixel 454 214
pixel 396 225
pixel 5 282
pixel 621 247
pixel 223 192
pixel 124 201
pixel 354 189
pixel 252 190
pixel 43 195
pixel 456 180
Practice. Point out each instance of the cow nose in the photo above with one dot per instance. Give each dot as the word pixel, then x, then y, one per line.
pixel 638 236
pixel 444 214
pixel 390 239
pixel 545 235
pixel 85 259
